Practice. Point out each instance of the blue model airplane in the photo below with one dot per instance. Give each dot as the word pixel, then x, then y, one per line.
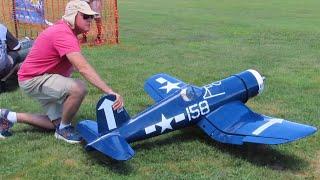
pixel 217 108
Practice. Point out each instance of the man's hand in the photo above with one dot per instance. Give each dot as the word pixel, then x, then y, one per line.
pixel 118 103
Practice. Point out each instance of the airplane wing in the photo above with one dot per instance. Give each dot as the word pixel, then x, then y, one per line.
pixel 162 85
pixel 235 123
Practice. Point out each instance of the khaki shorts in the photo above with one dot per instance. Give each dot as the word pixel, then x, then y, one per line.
pixel 51 90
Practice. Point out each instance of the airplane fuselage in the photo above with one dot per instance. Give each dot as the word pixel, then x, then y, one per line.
pixel 218 109
pixel 190 103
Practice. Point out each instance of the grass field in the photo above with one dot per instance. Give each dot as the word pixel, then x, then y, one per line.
pixel 199 42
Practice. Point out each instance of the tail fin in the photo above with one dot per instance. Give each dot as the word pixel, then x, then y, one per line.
pixel 107 118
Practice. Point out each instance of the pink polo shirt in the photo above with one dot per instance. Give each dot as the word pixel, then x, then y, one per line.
pixel 47 55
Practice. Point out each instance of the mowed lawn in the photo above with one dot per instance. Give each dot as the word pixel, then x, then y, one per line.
pixel 198 41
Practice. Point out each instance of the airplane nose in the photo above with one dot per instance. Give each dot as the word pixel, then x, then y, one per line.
pixel 260 79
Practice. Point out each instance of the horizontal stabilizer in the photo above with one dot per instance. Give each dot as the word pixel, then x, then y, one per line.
pixel 88 130
pixel 162 85
pixel 235 123
pixel 112 144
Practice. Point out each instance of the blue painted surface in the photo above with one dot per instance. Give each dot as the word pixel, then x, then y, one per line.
pixel 217 108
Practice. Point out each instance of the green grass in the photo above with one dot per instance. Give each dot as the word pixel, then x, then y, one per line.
pixel 199 42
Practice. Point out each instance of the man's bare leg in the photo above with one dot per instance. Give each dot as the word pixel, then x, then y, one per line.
pixel 73 102
pixel 71 105
pixel 37 120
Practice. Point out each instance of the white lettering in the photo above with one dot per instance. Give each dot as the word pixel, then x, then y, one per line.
pixel 195 110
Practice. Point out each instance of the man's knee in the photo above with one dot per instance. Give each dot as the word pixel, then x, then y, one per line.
pixel 79 88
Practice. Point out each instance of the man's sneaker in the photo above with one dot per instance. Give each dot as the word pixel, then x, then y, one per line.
pixel 5 134
pixel 5 125
pixel 68 134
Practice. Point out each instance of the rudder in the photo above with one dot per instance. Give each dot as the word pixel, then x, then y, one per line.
pixel 107 118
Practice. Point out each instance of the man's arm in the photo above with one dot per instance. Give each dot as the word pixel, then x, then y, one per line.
pixel 90 74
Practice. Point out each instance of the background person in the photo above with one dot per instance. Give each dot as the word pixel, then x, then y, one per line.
pixel 8 43
pixel 45 75
pixel 96 5
pixel 12 53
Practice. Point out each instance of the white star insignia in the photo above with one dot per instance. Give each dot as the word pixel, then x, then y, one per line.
pixel 170 86
pixel 165 123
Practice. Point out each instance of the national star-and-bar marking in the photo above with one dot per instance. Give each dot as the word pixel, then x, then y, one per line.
pixel 165 123
pixel 169 86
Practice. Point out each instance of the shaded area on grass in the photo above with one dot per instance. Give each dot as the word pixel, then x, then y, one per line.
pixel 259 155
pixel 9 85
pixel 118 167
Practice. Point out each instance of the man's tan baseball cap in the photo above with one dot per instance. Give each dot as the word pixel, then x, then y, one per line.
pixel 72 9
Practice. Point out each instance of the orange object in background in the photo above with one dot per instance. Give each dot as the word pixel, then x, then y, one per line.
pixel 104 30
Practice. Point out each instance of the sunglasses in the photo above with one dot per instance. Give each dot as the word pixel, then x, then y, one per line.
pixel 86 16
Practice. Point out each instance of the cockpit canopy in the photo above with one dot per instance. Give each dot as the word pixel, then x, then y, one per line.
pixel 191 93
